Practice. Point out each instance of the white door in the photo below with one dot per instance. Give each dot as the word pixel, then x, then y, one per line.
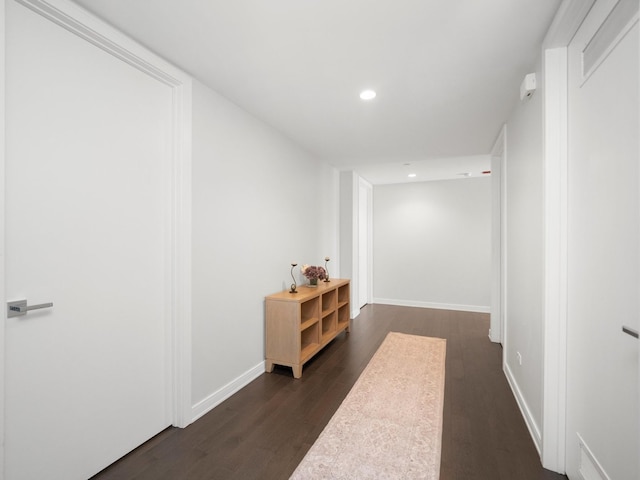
pixel 87 196
pixel 603 238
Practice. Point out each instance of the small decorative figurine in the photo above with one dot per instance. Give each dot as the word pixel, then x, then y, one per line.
pixel 294 284
pixel 326 278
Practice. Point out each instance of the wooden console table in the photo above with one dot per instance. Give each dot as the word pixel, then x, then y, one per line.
pixel 299 325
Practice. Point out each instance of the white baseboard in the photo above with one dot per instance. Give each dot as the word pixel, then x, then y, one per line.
pixel 534 430
pixel 216 398
pixel 439 306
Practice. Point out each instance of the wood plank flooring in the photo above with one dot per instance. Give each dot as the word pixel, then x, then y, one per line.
pixel 264 431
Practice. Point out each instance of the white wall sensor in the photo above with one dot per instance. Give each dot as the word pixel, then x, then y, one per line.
pixel 528 86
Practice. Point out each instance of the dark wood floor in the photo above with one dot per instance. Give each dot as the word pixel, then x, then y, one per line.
pixel 264 431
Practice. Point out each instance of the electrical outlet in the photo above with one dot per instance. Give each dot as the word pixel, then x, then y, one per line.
pixel 519 355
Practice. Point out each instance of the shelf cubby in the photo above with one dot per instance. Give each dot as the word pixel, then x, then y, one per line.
pixel 309 310
pixel 309 341
pixel 344 315
pixel 343 295
pixel 329 301
pixel 329 327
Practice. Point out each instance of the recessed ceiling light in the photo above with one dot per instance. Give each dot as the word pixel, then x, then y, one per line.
pixel 411 175
pixel 465 174
pixel 367 95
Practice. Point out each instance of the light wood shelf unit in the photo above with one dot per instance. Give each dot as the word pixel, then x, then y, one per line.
pixel 299 325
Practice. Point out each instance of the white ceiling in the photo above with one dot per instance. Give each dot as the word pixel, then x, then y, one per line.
pixel 447 72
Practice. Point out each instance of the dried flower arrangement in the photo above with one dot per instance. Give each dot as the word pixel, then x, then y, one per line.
pixel 313 272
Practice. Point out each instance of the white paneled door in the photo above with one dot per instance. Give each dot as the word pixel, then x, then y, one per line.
pixel 603 240
pixel 88 183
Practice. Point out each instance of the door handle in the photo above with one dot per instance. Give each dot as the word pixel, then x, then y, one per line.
pixel 630 331
pixel 18 308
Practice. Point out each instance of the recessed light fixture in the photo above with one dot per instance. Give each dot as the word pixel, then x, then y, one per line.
pixel 465 174
pixel 412 175
pixel 367 95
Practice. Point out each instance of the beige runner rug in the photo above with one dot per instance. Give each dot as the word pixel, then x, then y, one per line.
pixel 390 424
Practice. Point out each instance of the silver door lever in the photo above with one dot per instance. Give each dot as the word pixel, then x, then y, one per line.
pixel 19 307
pixel 630 331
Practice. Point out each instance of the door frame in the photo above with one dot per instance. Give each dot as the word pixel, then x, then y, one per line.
pixel 498 238
pixel 366 243
pixel 93 30
pixel 566 22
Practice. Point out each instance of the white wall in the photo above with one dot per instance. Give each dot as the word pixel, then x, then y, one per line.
pixel 328 231
pixel 259 203
pixel 432 244
pixel 524 253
